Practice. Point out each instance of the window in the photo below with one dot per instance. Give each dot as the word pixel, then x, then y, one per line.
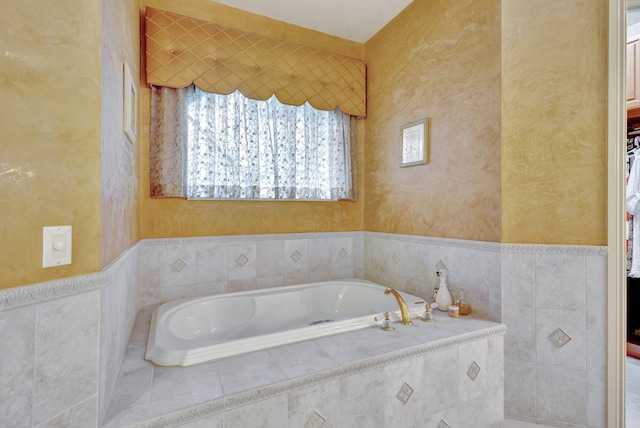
pixel 234 147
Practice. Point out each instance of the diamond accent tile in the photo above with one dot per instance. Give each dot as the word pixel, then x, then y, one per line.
pixel 242 260
pixel 178 265
pixel 442 424
pixel 343 253
pixel 405 393
pixel 473 371
pixel 395 258
pixel 441 266
pixel 296 256
pixel 315 421
pixel 560 337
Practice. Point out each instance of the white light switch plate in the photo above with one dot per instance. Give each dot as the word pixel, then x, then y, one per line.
pixel 56 246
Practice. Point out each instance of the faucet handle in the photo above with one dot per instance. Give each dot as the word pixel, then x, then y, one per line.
pixel 386 323
pixel 428 314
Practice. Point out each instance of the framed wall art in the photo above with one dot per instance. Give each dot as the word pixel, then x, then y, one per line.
pixel 130 105
pixel 415 143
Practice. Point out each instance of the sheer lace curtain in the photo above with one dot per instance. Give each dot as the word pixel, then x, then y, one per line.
pixel 206 145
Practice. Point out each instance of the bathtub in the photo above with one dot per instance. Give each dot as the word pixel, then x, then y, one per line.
pixel 191 331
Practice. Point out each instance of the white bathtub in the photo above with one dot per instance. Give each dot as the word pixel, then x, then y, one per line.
pixel 191 331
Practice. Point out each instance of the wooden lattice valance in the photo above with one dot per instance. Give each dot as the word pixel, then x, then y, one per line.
pixel 182 50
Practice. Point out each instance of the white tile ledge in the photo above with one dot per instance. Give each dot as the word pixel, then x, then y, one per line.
pixel 211 408
pixel 11 298
pixel 462 243
pixel 185 416
pixel 554 249
pixel 517 424
pixel 450 242
pixel 151 242
pixel 495 246
pixel 427 348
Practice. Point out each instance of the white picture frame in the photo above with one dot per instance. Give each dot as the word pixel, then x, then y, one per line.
pixel 415 137
pixel 130 105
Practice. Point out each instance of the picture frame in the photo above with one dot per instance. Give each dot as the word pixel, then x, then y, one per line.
pixel 130 105
pixel 415 143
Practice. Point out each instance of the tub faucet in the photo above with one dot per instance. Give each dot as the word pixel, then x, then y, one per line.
pixel 404 309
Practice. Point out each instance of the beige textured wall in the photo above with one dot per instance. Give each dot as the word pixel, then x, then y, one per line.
pixel 435 60
pixel 554 122
pixel 178 217
pixel 120 43
pixel 438 59
pixel 49 135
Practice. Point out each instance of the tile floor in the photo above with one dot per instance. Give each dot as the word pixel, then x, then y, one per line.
pixel 633 393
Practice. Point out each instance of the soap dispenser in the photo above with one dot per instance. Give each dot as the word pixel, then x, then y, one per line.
pixel 443 296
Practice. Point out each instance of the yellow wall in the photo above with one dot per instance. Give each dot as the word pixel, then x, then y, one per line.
pixel 120 43
pixel 537 175
pixel 554 122
pixel 178 217
pixel 49 135
pixel 441 60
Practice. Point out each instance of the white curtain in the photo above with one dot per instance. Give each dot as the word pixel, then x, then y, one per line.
pixel 230 146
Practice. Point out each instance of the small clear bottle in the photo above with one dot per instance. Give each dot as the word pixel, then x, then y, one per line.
pixel 463 305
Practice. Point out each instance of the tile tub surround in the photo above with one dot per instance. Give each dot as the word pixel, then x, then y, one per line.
pixel 550 291
pixel 191 267
pixel 525 311
pixel 351 379
pixel 409 263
